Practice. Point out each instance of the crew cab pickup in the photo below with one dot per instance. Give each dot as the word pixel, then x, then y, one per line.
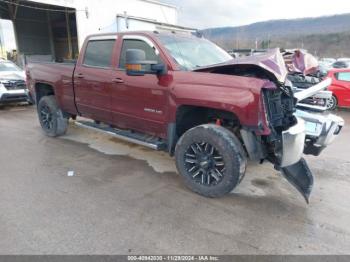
pixel 183 94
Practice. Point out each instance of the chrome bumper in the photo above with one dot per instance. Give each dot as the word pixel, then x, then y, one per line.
pixel 293 141
pixel 321 130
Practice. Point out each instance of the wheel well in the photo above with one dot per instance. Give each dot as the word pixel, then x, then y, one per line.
pixel 336 98
pixel 191 116
pixel 188 117
pixel 43 90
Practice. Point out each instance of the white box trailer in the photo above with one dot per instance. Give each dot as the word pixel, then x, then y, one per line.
pixel 125 22
pixel 109 15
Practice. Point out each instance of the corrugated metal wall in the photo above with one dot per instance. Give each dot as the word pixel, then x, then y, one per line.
pixel 32 32
pixel 42 32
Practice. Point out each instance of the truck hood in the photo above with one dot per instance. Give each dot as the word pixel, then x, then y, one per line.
pixel 271 62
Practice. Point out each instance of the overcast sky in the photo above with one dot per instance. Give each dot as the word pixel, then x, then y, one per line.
pixel 216 13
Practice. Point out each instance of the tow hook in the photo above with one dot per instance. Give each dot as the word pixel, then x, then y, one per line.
pixel 300 176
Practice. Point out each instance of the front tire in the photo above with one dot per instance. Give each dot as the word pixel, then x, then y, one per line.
pixel 332 103
pixel 51 117
pixel 211 160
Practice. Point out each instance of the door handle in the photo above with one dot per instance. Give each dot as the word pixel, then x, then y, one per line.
pixel 80 75
pixel 118 80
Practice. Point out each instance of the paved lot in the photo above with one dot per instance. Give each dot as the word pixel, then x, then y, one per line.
pixel 125 199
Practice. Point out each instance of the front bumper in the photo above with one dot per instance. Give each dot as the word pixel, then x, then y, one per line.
pixel 293 141
pixel 321 130
pixel 312 133
pixel 12 96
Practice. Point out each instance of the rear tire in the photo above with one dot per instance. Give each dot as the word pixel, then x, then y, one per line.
pixel 51 117
pixel 211 160
pixel 332 103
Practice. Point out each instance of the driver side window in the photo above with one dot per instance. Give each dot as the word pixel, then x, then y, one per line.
pixel 137 44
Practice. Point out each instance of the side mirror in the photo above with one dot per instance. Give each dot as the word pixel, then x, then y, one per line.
pixel 137 65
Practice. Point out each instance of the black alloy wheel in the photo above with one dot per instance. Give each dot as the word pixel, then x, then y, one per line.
pixel 52 120
pixel 205 164
pixel 46 117
pixel 210 159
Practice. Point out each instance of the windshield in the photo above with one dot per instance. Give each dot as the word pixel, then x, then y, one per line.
pixel 8 66
pixel 193 52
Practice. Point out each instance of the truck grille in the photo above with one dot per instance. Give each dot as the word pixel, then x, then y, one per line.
pixel 14 84
pixel 280 107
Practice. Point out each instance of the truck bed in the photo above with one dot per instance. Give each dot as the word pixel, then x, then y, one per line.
pixel 58 75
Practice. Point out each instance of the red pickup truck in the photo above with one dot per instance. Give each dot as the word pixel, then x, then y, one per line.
pixel 183 94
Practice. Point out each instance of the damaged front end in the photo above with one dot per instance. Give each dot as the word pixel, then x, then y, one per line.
pixel 310 133
pixel 295 129
pixel 284 147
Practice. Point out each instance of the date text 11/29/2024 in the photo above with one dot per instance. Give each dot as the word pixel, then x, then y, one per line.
pixel 173 258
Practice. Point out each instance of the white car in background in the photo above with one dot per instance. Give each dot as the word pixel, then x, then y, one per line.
pixel 344 59
pixel 12 83
pixel 327 60
pixel 325 64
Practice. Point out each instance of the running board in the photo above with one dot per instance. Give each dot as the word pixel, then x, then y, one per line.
pixel 126 135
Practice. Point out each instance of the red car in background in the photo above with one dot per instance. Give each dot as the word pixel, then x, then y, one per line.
pixel 340 87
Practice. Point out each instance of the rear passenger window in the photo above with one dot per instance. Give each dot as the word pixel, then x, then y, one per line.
pixel 343 76
pixel 137 44
pixel 99 53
